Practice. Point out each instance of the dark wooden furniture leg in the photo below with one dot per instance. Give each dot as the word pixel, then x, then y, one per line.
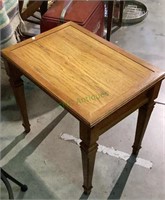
pixel 18 89
pixel 111 5
pixel 88 149
pixel 121 13
pixel 110 19
pixel 143 118
pixel 44 7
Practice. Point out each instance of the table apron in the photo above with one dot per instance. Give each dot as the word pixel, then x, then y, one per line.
pixel 120 114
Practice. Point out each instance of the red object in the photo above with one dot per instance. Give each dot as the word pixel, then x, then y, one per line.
pixel 89 14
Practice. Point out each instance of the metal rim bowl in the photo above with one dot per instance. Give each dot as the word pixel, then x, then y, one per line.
pixel 134 4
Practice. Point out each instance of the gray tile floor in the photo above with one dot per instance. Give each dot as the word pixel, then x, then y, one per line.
pixel 51 167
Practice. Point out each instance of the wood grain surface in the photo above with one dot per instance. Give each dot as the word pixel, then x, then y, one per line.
pixel 88 75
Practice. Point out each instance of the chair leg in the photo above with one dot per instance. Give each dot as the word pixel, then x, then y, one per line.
pixel 4 177
pixel 8 186
pixel 110 19
pixel 121 13
pixel 43 7
pixel 111 6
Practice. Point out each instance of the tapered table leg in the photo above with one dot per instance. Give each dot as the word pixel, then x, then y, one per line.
pixel 18 89
pixel 143 118
pixel 88 149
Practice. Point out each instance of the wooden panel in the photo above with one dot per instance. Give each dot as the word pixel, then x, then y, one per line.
pixel 91 77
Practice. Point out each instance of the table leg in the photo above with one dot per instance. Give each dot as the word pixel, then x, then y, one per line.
pixel 18 89
pixel 143 118
pixel 88 149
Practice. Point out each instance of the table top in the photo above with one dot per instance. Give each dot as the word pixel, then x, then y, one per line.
pixel 90 76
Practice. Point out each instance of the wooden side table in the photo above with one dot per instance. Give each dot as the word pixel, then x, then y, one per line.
pixel 96 81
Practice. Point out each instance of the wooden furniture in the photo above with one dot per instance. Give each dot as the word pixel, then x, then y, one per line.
pixel 29 15
pixel 110 9
pixel 96 81
pixel 32 7
pixel 71 10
